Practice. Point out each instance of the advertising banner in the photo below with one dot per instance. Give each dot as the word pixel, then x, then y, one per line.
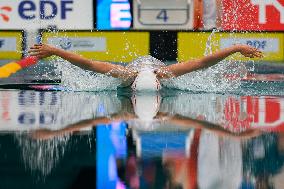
pixel 11 45
pixel 271 44
pixel 113 14
pixel 36 14
pixel 105 46
pixel 24 110
pixel 255 112
pixel 163 14
pixel 253 15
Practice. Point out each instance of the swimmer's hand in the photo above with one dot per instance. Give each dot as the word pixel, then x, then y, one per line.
pixel 42 51
pixel 249 51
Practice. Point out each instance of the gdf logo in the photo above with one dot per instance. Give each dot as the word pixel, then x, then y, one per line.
pixel 262 9
pixel 3 13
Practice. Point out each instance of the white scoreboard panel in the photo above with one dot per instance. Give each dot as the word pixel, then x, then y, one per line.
pixel 163 14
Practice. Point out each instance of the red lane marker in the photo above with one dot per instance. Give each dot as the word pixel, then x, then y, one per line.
pixel 28 61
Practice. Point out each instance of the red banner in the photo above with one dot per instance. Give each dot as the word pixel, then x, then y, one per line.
pixel 255 112
pixel 253 15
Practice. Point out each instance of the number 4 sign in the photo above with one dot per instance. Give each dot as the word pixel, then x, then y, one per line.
pixel 253 15
pixel 163 14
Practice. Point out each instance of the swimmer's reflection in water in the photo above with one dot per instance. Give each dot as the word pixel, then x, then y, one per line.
pixel 164 169
pixel 148 76
pixel 133 113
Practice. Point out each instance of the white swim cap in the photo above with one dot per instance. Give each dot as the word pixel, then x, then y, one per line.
pixel 146 80
pixel 146 106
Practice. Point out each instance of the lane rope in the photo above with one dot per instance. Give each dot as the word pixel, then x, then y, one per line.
pixel 8 69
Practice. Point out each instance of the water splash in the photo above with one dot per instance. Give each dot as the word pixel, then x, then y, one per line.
pixel 217 78
pixel 41 156
pixel 77 79
pixel 214 108
pixel 73 107
pixel 210 79
pixel 210 106
pixel 210 43
pixel 214 79
pixel 145 62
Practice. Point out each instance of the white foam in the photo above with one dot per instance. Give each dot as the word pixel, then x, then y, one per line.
pixel 213 79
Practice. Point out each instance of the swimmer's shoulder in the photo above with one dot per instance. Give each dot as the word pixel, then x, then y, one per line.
pixel 125 84
pixel 128 78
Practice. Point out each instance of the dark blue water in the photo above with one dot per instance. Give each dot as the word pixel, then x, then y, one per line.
pixel 112 140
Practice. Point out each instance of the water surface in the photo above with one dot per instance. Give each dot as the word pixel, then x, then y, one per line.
pixel 176 139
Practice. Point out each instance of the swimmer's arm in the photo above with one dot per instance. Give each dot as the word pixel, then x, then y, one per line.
pixel 217 129
pixel 212 59
pixel 45 134
pixel 44 51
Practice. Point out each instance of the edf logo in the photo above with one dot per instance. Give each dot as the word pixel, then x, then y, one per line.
pixel 48 9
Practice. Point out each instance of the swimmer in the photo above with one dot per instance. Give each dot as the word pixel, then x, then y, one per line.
pixel 145 78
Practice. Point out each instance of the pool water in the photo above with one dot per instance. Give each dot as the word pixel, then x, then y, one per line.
pixel 51 137
pixel 108 140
